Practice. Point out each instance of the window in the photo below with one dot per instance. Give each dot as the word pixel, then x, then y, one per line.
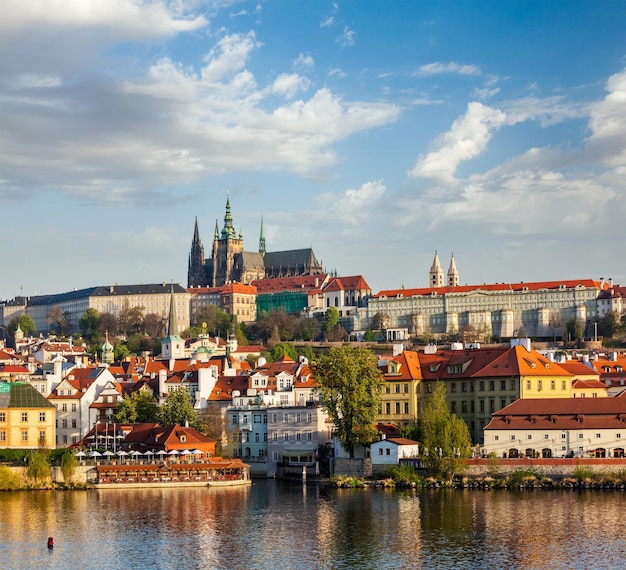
pixel 563 436
pixel 3 435
pixel 257 437
pixel 24 416
pixel 285 418
pixel 265 437
pixel 388 451
pixel 546 436
pixel 42 416
pixel 453 387
pixel 380 451
pixel 3 417
pixel 387 408
pixel 482 406
pixel 481 385
pixel 463 386
pixel 618 436
pixel 406 407
pixel 553 385
pixel 298 418
pixel 387 389
pixel 397 388
pixel 309 436
pixel 513 437
pixel 453 407
pixel 309 417
pixel 580 436
pixel 503 385
pixel 74 408
pixel 492 406
pixel 472 406
pixel 563 385
pixel 529 436
pixel 235 419
pixel 275 436
pixel 24 435
pixel 286 436
pixel 42 436
pixel 598 435
pixel 257 418
pixel 492 385
pixel 496 438
pixel 539 385
pixel 64 407
pixel 527 384
pixel 397 407
pixel 275 456
pixel 245 420
pixel 406 388
pixel 429 388
pixel 298 436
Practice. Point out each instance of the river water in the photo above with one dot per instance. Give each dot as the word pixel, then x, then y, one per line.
pixel 277 525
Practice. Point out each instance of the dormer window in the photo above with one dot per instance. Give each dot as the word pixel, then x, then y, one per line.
pixel 183 438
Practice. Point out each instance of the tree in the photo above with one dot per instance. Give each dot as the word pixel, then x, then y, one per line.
pixel 108 323
pixel 58 320
pixel 89 324
pixel 380 321
pixel 154 325
pixel 445 437
pixel 39 467
pixel 609 324
pixel 308 353
pixel 139 407
pixel 68 467
pixel 120 352
pixel 25 322
pixel 283 349
pixel 331 319
pixel 130 318
pixel 574 328
pixel 178 409
pixel 350 385
pixel 308 329
pixel 554 323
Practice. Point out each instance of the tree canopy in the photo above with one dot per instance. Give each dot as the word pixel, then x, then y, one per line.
pixel 139 407
pixel 350 386
pixel 445 437
pixel 178 409
pixel 89 324
pixel 26 323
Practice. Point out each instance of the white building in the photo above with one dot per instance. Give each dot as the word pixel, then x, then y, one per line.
pixel 392 450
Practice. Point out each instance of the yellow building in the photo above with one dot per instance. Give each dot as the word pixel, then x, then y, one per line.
pixel 27 419
pixel 398 404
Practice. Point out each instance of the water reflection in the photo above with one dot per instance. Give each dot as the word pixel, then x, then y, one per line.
pixel 278 525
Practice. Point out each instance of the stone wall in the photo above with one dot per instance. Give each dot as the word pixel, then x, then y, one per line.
pixel 549 467
pixel 352 467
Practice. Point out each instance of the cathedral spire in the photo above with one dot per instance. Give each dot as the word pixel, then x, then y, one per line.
pixel 262 239
pixel 228 231
pixel 196 266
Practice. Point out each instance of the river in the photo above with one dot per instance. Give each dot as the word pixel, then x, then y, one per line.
pixel 277 525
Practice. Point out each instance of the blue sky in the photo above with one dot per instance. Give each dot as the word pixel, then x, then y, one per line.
pixel 374 132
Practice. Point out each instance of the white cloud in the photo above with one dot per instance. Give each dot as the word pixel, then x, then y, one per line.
pixel 354 206
pixel 347 38
pixel 546 110
pixel 439 68
pixel 130 19
pixel 288 84
pixel 36 81
pixel 466 139
pixel 607 123
pixel 303 61
pixel 328 22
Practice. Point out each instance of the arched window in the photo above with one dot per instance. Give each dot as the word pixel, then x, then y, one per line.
pixel 336 301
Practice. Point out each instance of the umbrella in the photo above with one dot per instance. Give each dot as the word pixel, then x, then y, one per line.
pixel 197 452
pixel 185 452
pixel 135 452
pixel 173 452
pixel 108 453
pixel 149 452
pixel 161 452
pixel 95 453
pixel 80 454
pixel 121 453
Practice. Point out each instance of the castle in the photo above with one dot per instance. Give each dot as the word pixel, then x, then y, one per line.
pixel 229 263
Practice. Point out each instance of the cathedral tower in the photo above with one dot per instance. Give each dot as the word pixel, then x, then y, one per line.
pixel 435 277
pixel 453 274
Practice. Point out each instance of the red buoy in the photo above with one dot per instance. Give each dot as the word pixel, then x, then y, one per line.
pixel 50 542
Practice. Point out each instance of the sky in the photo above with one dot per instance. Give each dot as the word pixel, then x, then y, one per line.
pixel 374 132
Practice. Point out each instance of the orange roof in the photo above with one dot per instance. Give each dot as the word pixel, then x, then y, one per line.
pixel 303 283
pixel 513 287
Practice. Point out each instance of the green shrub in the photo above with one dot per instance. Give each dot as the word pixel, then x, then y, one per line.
pixel 39 467
pixel 524 476
pixel 582 473
pixel 9 479
pixel 403 474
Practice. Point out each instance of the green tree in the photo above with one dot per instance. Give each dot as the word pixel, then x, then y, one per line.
pixel 69 464
pixel 609 324
pixel 26 323
pixel 574 328
pixel 39 467
pixel 331 319
pixel 178 409
pixel 89 324
pixel 130 319
pixel 369 335
pixel 350 385
pixel 120 352
pixel 137 408
pixel 446 441
pixel 308 353
pixel 283 349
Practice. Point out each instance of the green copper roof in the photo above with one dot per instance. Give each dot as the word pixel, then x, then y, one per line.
pixel 21 395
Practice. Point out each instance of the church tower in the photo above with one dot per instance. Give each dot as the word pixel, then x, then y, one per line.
pixel 435 277
pixel 262 239
pixel 196 274
pixel 453 274
pixel 225 249
pixel 172 346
